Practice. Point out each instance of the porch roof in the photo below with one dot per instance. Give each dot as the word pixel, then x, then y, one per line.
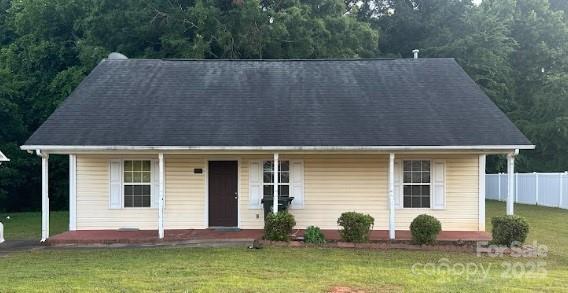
pixel 369 103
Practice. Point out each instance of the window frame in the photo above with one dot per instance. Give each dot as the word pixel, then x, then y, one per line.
pixel 289 184
pixel 403 184
pixel 124 183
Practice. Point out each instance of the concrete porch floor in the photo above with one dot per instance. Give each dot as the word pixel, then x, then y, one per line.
pixel 85 237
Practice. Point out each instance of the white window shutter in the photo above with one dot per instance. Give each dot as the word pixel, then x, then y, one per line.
pixel 155 169
pixel 439 185
pixel 115 195
pixel 397 184
pixel 297 183
pixel 255 184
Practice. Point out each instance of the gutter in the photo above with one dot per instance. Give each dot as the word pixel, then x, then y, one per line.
pixel 275 148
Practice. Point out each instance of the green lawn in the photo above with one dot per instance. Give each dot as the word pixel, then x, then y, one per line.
pixel 22 226
pixel 291 269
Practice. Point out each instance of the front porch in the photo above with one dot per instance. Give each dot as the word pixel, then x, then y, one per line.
pixel 106 237
pixel 187 194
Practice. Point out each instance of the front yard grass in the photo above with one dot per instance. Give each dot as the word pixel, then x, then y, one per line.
pixel 293 269
pixel 24 226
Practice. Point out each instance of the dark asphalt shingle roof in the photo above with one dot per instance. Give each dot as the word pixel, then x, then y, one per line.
pixel 377 102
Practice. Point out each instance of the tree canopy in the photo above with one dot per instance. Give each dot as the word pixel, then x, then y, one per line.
pixel 514 49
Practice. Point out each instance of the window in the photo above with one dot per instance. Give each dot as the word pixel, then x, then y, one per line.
pixel 283 178
pixel 137 184
pixel 416 183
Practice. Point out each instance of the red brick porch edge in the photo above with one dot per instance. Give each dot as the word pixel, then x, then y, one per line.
pixel 87 237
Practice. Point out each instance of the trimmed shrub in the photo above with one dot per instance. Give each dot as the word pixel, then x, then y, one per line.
pixel 508 229
pixel 278 227
pixel 425 229
pixel 355 226
pixel 314 235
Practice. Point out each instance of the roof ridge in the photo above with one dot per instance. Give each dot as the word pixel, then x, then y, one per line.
pixel 277 60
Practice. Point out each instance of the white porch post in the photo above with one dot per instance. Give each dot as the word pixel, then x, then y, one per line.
pixel 275 203
pixel 481 192
pixel 72 192
pixel 392 225
pixel 161 196
pixel 44 196
pixel 510 181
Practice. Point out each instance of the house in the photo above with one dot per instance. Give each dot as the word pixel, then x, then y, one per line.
pixel 194 144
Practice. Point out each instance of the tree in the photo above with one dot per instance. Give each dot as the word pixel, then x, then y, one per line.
pixel 515 50
pixel 48 46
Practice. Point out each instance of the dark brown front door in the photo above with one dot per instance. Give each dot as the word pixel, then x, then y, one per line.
pixel 223 196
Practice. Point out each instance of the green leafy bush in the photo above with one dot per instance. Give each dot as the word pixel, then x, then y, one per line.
pixel 508 229
pixel 355 226
pixel 425 229
pixel 278 227
pixel 314 235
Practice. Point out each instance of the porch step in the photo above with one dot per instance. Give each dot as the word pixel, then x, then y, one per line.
pixel 225 229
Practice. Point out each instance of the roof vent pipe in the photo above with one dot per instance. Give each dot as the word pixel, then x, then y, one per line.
pixel 415 51
pixel 115 55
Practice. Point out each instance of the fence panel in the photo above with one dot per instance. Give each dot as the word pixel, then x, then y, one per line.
pixel 504 187
pixel 492 186
pixel 526 188
pixel 547 189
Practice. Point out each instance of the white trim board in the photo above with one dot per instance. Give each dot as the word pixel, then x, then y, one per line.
pixel 481 192
pixel 72 192
pixel 278 148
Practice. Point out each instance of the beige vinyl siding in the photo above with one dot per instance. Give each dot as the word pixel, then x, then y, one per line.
pixel 93 210
pixel 333 183
pixel 338 183
pixel 462 202
pixel 185 195
pixel 185 192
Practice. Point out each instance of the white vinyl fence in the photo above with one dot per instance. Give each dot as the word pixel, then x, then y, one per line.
pixel 545 189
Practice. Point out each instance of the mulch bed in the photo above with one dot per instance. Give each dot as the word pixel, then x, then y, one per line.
pixel 460 246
